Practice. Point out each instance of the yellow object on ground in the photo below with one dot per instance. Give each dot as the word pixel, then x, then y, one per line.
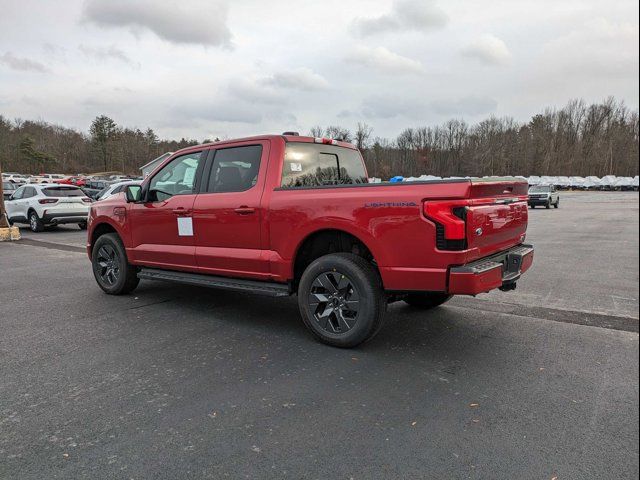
pixel 8 234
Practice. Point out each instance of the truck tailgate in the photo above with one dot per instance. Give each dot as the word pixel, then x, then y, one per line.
pixel 497 215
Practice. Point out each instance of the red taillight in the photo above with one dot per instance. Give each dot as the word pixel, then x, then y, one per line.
pixel 447 214
pixel 44 201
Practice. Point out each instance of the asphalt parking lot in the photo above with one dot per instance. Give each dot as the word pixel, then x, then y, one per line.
pixel 176 381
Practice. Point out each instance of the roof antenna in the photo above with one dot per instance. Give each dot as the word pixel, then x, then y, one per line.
pixel 291 134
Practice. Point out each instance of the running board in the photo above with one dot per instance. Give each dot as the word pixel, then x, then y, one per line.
pixel 270 289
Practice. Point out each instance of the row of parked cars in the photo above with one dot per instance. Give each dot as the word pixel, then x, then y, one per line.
pixel 64 201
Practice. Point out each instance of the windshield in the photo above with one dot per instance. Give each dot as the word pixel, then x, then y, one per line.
pixel 540 189
pixel 312 164
pixel 63 192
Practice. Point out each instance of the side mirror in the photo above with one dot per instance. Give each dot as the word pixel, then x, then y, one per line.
pixel 133 193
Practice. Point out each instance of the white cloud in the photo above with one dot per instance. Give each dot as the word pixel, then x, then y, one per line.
pixel 405 15
pixel 299 79
pixel 203 23
pixel 101 53
pixel 384 60
pixel 21 63
pixel 489 50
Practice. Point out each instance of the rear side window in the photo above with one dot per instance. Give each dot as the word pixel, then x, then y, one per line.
pixel 61 192
pixel 315 165
pixel 235 169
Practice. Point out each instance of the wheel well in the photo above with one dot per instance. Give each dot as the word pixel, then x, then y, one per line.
pixel 100 230
pixel 324 242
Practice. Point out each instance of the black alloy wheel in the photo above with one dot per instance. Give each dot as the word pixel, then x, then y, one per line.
pixel 334 301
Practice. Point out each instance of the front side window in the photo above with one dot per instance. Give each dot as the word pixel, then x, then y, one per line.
pixel 235 169
pixel 18 193
pixel 29 192
pixel 178 177
pixel 314 165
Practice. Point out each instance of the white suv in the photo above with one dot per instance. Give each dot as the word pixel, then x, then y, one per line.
pixel 14 177
pixel 40 205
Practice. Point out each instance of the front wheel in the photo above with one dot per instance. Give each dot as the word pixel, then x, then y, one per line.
pixel 427 300
pixel 111 269
pixel 557 205
pixel 341 300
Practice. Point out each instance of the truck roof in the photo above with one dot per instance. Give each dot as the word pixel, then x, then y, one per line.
pixel 287 138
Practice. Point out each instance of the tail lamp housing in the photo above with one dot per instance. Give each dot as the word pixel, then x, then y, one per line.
pixel 449 217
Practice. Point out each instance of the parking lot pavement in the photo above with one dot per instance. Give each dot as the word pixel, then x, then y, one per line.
pixel 176 381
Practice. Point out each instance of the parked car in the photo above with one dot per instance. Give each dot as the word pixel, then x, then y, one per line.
pixel 544 195
pixel 284 214
pixel 77 181
pixel 46 178
pixel 115 189
pixel 7 189
pixel 14 177
pixel 40 205
pixel 94 187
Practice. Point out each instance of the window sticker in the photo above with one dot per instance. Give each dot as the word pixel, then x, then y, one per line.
pixel 185 227
pixel 189 175
pixel 296 167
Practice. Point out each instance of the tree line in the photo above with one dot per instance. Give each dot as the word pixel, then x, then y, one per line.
pixel 577 139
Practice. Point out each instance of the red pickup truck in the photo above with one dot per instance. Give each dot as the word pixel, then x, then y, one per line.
pixel 285 214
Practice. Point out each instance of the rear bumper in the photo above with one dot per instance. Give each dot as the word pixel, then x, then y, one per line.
pixel 501 270
pixel 66 217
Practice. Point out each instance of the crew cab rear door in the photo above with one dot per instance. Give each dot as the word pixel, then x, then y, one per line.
pixel 228 212
pixel 162 233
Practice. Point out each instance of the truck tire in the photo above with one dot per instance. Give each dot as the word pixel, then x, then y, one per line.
pixel 114 274
pixel 548 205
pixel 341 300
pixel 557 204
pixel 427 300
pixel 35 224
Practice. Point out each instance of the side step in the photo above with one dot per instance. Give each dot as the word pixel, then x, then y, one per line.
pixel 270 289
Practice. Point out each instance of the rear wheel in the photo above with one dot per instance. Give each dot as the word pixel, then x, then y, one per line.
pixel 427 300
pixel 111 269
pixel 341 299
pixel 35 224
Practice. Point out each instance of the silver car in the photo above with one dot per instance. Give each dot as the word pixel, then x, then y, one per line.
pixel 544 196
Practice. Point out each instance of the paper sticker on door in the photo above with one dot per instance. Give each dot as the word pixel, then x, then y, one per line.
pixel 185 227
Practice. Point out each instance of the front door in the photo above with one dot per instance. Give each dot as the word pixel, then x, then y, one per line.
pixel 16 207
pixel 228 213
pixel 162 226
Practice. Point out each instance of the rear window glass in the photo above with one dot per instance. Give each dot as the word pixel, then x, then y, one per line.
pixel 8 186
pixel 63 192
pixel 314 165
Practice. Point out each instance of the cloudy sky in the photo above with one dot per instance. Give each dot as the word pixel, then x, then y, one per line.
pixel 201 68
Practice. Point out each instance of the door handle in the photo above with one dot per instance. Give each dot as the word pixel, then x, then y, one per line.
pixel 244 210
pixel 181 211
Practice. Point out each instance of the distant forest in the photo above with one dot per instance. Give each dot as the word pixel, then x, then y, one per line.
pixel 578 139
